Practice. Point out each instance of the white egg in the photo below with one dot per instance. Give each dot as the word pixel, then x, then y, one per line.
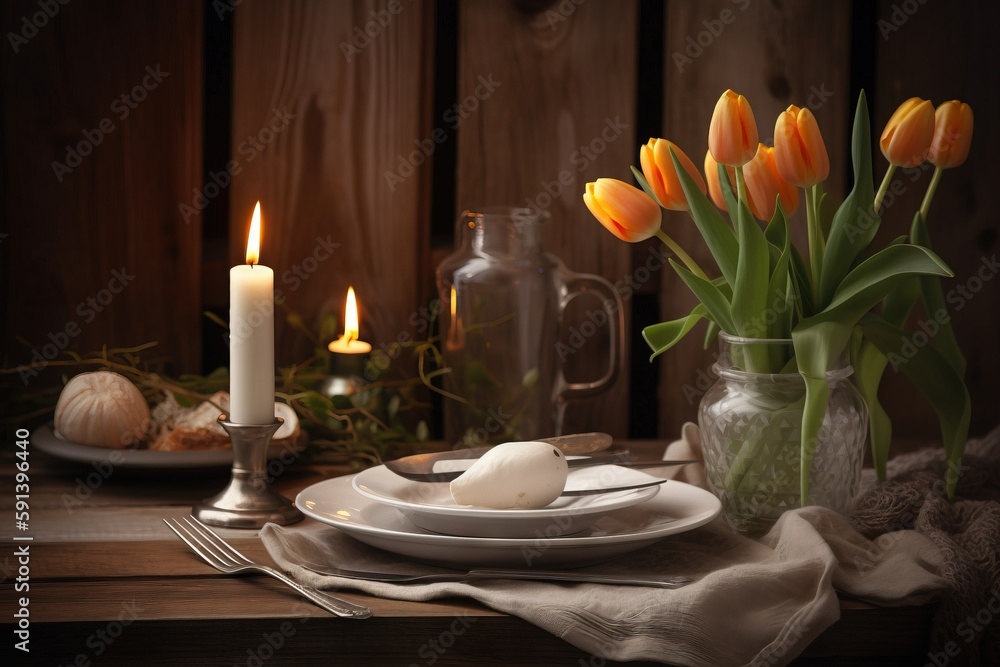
pixel 514 475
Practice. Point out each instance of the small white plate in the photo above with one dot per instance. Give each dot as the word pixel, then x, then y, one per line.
pixel 430 505
pixel 47 441
pixel 676 509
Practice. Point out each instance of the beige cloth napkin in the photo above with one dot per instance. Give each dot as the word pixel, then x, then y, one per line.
pixel 753 602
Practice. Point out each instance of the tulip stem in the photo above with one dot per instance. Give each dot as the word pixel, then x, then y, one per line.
pixel 882 189
pixel 741 185
pixel 691 265
pixel 929 195
pixel 817 244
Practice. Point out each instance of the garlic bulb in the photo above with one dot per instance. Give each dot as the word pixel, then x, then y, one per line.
pixel 522 475
pixel 103 409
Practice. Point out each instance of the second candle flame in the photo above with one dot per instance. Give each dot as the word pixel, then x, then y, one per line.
pixel 349 343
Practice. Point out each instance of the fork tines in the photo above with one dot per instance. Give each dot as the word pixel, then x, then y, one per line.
pixel 206 543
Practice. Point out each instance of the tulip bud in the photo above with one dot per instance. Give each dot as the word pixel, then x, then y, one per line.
pixel 732 136
pixel 907 136
pixel 659 171
pixel 626 211
pixel 952 135
pixel 712 177
pixel 799 151
pixel 764 184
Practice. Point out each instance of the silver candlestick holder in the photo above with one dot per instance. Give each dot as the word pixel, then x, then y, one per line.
pixel 248 501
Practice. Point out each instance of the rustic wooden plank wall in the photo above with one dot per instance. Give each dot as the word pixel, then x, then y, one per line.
pixel 102 137
pixel 326 104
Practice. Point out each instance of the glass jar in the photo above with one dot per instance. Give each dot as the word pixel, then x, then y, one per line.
pixel 502 329
pixel 751 425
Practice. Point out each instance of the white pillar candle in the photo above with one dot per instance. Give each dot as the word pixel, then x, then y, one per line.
pixel 251 336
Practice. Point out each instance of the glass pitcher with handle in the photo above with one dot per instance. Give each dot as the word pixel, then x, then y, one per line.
pixel 503 334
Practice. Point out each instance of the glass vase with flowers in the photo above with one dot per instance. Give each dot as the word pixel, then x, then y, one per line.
pixel 783 426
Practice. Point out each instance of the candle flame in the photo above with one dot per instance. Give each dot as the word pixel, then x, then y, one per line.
pixel 253 239
pixel 454 302
pixel 352 323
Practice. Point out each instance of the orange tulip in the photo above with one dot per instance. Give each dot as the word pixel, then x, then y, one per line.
pixel 907 136
pixel 732 136
pixel 764 184
pixel 799 151
pixel 712 176
pixel 627 212
pixel 659 171
pixel 952 135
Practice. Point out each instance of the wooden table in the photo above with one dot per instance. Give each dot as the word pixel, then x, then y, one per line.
pixel 108 584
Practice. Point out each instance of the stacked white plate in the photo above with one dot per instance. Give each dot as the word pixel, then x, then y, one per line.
pixel 420 520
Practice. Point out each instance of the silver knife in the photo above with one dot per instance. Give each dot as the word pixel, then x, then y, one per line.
pixel 656 581
pixel 420 467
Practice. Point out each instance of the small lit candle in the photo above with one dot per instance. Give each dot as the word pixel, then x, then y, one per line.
pixel 349 343
pixel 349 353
pixel 251 335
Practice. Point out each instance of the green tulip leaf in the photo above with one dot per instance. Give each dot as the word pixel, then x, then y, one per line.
pixel 718 235
pixel 856 221
pixel 711 296
pixel 880 273
pixel 727 188
pixel 751 286
pixel 934 376
pixel 800 279
pixel 869 365
pixel 933 295
pixel 777 286
pixel 710 335
pixel 664 335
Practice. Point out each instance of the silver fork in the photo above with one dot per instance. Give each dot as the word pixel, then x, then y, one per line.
pixel 219 554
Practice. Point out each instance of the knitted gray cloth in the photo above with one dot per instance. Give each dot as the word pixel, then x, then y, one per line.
pixel 967 530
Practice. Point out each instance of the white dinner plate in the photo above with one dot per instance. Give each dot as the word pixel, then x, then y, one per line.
pixel 430 505
pixel 677 508
pixel 46 440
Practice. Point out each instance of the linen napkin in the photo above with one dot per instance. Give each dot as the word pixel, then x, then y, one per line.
pixel 753 602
